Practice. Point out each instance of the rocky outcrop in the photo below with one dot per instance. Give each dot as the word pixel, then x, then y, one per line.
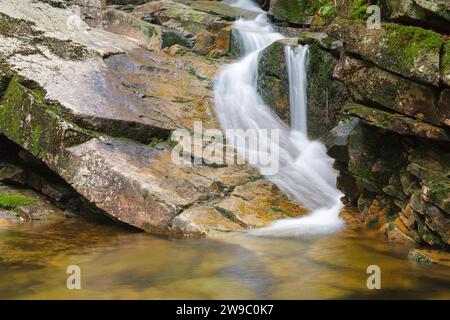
pixel 393 150
pixel 98 110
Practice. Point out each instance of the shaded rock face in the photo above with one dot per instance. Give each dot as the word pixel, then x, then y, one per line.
pixel 98 109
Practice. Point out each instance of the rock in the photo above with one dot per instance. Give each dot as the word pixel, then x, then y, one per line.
pixel 291 11
pixel 107 94
pixel 396 231
pixel 325 96
pixel 338 138
pixel 445 64
pixel 91 10
pixel 253 198
pixel 428 256
pixel 368 83
pixel 191 24
pixel 18 205
pixel 397 123
pixel 444 107
pixel 273 80
pixel 373 159
pixel 348 185
pixel 322 39
pixel 149 36
pixel 204 220
pixel 12 173
pixel 409 51
pixel 432 13
pixel 223 10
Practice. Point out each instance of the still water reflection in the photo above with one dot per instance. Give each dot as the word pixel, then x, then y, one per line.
pixel 120 264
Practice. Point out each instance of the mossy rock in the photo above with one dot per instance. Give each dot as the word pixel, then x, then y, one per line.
pixel 412 52
pixel 28 120
pixel 326 97
pixel 273 80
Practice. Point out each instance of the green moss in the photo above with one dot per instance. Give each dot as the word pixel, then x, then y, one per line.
pixel 27 119
pixel 359 9
pixel 408 43
pixel 12 201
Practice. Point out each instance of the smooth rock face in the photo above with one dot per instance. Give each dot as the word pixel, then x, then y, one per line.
pixel 409 51
pixel 69 97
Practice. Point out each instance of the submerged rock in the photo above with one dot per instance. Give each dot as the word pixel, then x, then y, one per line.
pixel 427 256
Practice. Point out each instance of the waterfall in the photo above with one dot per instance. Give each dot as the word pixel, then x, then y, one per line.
pixel 305 173
pixel 297 59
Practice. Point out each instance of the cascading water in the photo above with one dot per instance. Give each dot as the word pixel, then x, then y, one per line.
pixel 296 59
pixel 305 172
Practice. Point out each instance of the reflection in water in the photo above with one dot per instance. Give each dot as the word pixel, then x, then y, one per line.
pixel 117 263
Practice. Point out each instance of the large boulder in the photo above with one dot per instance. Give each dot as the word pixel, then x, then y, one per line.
pixel 412 52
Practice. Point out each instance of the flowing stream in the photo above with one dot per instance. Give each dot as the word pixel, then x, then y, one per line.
pixel 305 170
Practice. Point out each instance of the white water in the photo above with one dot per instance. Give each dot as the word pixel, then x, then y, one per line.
pixel 296 59
pixel 306 172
